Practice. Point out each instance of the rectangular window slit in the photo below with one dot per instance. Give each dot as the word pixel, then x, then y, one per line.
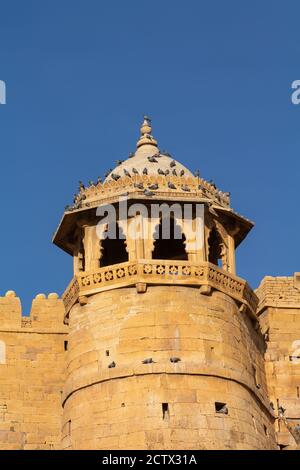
pixel 165 410
pixel 69 428
pixel 266 430
pixel 66 345
pixel 298 392
pixel 107 352
pixel 294 358
pixel 221 408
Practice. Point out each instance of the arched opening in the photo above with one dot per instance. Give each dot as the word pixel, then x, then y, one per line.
pixel 169 241
pixel 113 249
pixel 81 256
pixel 215 248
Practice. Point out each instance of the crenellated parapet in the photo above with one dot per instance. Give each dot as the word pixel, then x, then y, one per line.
pixel 46 314
pixel 279 291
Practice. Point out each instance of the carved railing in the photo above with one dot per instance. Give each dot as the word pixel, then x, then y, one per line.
pixel 99 193
pixel 71 294
pixel 159 272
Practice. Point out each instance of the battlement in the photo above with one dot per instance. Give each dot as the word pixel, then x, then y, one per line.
pixel 47 313
pixel 280 291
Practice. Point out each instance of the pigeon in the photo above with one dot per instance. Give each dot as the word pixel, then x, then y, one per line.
pixel 126 173
pixel 112 365
pixel 119 162
pixel 145 171
pixel 171 185
pixel 174 172
pixel 81 185
pixel 211 182
pixel 148 193
pixel 167 172
pixel 108 173
pixel 99 179
pixel 181 173
pixel 131 155
pixel 148 361
pixel 166 154
pixel 160 172
pixel 173 163
pixel 91 183
pixel 139 186
pixel 68 208
pixel 152 159
pixel 134 170
pixel 153 186
pixel 197 174
pixel 184 187
pixel 115 177
pixel 175 359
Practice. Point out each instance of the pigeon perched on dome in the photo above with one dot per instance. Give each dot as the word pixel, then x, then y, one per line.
pixel 147 156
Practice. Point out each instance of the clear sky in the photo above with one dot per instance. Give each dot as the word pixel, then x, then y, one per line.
pixel 215 76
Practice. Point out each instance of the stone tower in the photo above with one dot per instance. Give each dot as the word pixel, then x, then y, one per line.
pixel 164 348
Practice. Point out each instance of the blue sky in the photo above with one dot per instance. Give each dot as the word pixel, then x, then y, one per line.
pixel 214 76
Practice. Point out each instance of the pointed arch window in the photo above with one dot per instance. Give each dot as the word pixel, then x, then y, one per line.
pixel 215 248
pixel 169 243
pixel 113 249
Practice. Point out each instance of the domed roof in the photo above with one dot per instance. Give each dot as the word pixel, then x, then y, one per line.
pixel 148 159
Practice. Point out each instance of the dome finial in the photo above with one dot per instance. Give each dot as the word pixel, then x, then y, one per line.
pixel 146 137
pixel 146 126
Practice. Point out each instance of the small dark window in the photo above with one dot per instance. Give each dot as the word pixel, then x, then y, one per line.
pixel 266 430
pixel 107 352
pixel 165 410
pixel 123 404
pixel 221 408
pixel 298 392
pixel 66 345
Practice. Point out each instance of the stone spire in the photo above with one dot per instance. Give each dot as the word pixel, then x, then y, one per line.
pixel 146 138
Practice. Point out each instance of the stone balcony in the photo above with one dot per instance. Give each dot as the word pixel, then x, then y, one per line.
pixel 157 272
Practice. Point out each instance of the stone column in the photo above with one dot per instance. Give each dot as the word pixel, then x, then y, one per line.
pixel 91 248
pixel 231 254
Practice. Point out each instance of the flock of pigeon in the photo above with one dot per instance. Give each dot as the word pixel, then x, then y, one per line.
pixel 78 198
pixel 149 360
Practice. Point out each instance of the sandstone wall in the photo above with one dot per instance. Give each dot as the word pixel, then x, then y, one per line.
pixel 165 405
pixel 32 361
pixel 279 312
